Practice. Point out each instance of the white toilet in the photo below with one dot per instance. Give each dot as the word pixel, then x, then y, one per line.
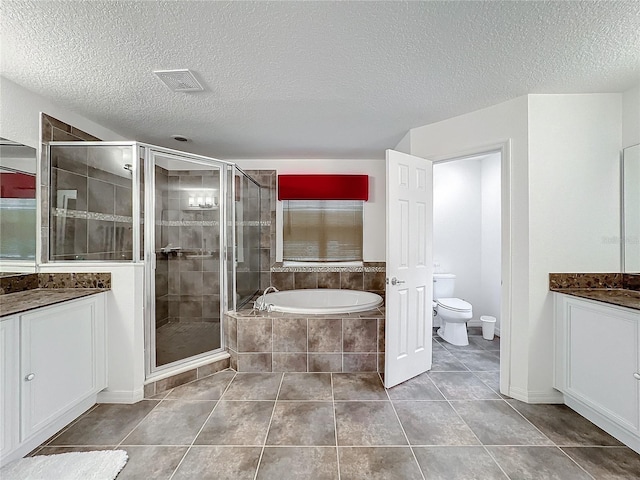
pixel 454 313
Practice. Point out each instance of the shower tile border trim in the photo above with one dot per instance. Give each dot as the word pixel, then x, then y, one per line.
pixel 67 213
pixel 372 267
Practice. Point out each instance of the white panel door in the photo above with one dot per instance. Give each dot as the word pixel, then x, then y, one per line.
pixel 409 290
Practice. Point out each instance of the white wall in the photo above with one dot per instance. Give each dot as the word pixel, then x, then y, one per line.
pixel 564 198
pixel 466 229
pixel 477 132
pixel 20 116
pixel 491 231
pixel 125 328
pixel 457 221
pixel 631 117
pixel 574 195
pixel 404 145
pixel 374 209
pixel 20 121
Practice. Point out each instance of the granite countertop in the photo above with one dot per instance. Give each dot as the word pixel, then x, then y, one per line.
pixel 618 289
pixel 21 293
pixel 614 296
pixel 20 302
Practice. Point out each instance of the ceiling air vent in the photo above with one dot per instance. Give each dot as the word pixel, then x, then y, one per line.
pixel 179 80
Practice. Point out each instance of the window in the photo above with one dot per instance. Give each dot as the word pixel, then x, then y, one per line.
pixel 322 230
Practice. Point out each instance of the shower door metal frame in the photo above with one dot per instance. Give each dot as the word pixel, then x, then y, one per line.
pixel 150 151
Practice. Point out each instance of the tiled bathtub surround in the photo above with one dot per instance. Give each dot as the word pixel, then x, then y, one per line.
pixel 622 289
pixel 281 342
pixel 370 277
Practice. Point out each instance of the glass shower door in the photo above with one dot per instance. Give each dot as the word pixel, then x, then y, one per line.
pixel 184 202
pixel 247 237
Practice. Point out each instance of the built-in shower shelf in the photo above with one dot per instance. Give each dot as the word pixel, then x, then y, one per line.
pixel 202 255
pixel 198 208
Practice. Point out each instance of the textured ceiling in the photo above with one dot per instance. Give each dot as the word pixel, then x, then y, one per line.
pixel 310 79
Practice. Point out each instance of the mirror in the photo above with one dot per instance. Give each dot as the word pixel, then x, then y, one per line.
pixel 631 209
pixel 17 207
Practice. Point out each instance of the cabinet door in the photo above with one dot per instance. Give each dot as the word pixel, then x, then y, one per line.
pixel 62 358
pixel 602 357
pixel 9 392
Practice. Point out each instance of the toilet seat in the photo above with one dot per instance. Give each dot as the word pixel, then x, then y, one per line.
pixel 454 304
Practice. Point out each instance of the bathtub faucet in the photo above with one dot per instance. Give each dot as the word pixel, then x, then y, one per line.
pixel 260 304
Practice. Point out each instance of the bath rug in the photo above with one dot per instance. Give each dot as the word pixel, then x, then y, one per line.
pixel 100 465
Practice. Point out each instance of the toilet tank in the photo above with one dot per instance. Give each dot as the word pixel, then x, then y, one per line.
pixel 443 284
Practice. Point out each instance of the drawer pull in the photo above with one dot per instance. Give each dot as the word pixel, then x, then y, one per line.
pixel 636 376
pixel 30 377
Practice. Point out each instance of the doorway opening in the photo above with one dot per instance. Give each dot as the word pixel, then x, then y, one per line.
pixel 472 236
pixel 403 328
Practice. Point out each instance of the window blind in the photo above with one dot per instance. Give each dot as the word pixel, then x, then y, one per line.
pixel 322 230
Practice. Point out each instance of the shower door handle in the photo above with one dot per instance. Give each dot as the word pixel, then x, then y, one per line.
pixel 395 281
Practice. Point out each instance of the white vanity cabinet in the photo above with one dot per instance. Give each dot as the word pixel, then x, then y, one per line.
pixel 597 364
pixel 9 391
pixel 54 364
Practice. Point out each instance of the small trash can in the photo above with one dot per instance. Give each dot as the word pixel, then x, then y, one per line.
pixel 488 326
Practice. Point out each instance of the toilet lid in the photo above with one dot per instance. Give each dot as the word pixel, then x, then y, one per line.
pixel 455 304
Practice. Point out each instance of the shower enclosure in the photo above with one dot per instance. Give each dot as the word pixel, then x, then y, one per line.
pixel 192 220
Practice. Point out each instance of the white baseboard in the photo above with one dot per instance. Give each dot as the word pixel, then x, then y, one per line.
pixel 629 439
pixel 47 432
pixel 121 396
pixel 542 396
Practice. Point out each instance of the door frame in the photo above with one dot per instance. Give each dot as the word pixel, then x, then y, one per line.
pixel 145 154
pixel 504 148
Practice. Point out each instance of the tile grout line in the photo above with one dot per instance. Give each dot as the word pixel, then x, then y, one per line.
pixel 138 424
pixel 519 413
pixel 484 447
pixel 530 423
pixel 547 437
pixel 56 435
pixel 341 339
pixel 266 436
pixel 335 425
pixel 203 424
pixel 415 459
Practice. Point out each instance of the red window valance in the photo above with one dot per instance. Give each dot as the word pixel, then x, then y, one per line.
pixel 323 187
pixel 17 185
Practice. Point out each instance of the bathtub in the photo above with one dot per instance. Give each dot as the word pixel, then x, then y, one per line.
pixel 320 301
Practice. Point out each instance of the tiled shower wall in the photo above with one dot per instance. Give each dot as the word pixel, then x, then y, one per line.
pixel 53 130
pixel 188 281
pixel 267 181
pixel 250 257
pixel 97 223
